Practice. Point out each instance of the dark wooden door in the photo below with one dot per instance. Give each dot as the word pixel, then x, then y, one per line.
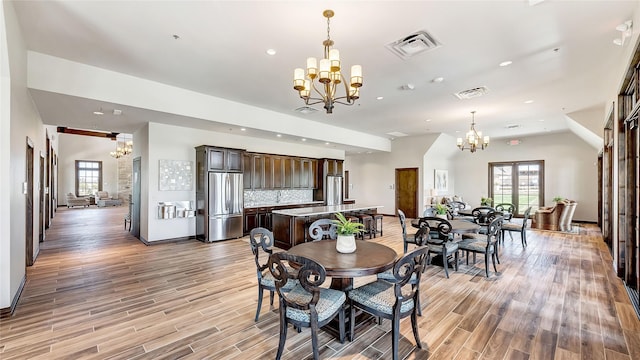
pixel 45 184
pixel 407 191
pixel 41 218
pixel 28 237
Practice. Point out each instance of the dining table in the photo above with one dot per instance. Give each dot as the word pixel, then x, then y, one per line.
pixel 370 258
pixel 457 226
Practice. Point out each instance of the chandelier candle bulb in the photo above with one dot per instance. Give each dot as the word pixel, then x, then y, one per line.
pixel 325 76
pixel 298 79
pixel 356 76
pixel 334 57
pixel 304 93
pixel 312 67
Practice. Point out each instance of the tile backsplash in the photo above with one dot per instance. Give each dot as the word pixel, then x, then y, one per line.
pixel 267 197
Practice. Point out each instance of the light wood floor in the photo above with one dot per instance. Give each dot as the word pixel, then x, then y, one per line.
pixel 95 292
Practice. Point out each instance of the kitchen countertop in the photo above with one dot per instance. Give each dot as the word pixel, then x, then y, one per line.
pixel 257 205
pixel 321 210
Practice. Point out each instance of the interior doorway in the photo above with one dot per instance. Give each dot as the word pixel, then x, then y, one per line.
pixel 28 221
pixel 407 191
pixel 135 198
pixel 41 219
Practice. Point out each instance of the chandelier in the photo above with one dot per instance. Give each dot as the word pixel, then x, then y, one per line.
pixel 474 138
pixel 328 77
pixel 125 149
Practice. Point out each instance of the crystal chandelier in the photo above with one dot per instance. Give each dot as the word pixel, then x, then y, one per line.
pixel 328 77
pixel 473 139
pixel 125 149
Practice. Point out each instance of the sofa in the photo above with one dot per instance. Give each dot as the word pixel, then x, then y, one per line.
pixel 73 200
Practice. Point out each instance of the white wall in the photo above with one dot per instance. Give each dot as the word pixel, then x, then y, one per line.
pixel 79 147
pixel 20 120
pixel 570 169
pixel 166 142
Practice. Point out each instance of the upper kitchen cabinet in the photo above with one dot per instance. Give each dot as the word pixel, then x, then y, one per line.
pixel 333 167
pixel 273 172
pixel 221 159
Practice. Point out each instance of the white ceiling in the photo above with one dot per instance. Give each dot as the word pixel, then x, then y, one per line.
pixel 561 52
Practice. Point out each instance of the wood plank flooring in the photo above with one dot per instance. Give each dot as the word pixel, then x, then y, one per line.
pixel 95 292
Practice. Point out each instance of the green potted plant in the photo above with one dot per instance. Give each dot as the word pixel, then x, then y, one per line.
pixel 347 231
pixel 557 199
pixel 441 210
pixel 486 201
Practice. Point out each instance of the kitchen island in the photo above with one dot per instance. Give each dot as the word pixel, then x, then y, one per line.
pixel 290 225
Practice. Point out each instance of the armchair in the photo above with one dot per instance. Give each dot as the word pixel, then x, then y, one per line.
pixel 72 201
pixel 548 218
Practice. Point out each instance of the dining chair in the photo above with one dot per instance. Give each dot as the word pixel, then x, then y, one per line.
pixel 484 243
pixel 481 216
pixel 306 304
pixel 440 241
pixel 406 237
pixel 520 228
pixel 506 210
pixel 261 242
pixel 322 229
pixel 421 238
pixel 394 299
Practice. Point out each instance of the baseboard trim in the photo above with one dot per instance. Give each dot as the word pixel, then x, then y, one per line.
pixel 164 241
pixel 8 311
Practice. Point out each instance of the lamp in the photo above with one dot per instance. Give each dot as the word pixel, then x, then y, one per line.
pixel 329 77
pixel 473 139
pixel 125 149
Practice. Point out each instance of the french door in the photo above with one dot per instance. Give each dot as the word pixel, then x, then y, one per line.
pixel 519 183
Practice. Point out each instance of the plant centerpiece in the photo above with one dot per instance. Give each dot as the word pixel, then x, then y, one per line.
pixel 486 201
pixel 557 199
pixel 347 231
pixel 441 210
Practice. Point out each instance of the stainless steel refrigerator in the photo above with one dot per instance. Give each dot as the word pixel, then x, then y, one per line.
pixel 225 206
pixel 334 190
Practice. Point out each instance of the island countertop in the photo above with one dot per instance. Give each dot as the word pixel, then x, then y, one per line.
pixel 322 210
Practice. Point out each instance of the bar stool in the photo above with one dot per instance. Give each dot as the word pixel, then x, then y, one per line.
pixel 367 221
pixel 377 218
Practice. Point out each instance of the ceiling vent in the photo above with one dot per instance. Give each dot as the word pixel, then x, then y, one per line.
pixel 413 44
pixel 397 134
pixel 305 110
pixel 512 126
pixel 472 93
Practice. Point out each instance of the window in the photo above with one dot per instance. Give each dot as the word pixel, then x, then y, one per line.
pixel 88 177
pixel 518 183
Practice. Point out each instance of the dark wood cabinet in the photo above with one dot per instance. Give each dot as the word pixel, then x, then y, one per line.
pixel 333 167
pixel 250 220
pixel 257 176
pixel 222 159
pixel 268 171
pixel 297 173
pixel 264 217
pixel 247 175
pixel 278 172
pixel 288 172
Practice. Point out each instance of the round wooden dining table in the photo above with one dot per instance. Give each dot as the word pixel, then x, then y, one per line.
pixel 369 258
pixel 457 226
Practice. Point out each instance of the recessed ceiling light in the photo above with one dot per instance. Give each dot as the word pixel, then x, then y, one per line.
pixel 279 135
pixel 506 63
pixel 271 52
pixel 303 139
pixel 528 102
pixel 428 120
pixel 438 79
pixel 98 112
pixel 327 143
pixel 380 98
pixel 117 112
pixel 243 129
pixel 541 120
